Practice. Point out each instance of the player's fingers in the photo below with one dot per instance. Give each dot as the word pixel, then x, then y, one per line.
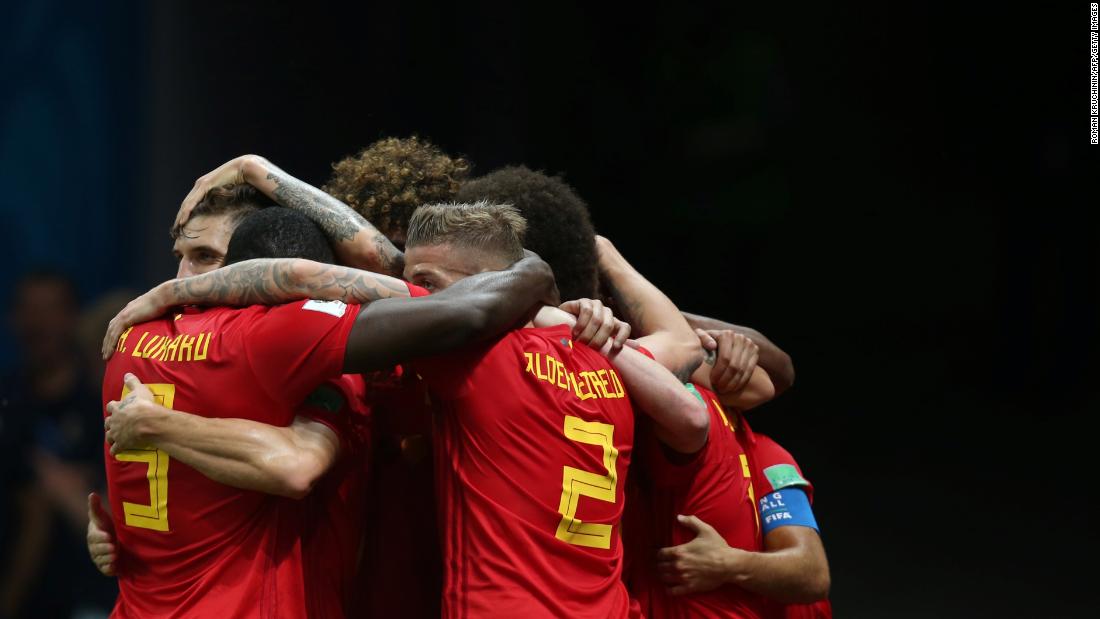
pixel 632 344
pixel 722 361
pixel 669 554
pixel 606 321
pixel 747 369
pixel 694 524
pixel 573 307
pixel 622 333
pixel 584 318
pixel 706 340
pixel 592 326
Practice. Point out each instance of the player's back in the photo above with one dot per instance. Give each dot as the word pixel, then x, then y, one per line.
pixel 714 485
pixel 190 546
pixel 533 442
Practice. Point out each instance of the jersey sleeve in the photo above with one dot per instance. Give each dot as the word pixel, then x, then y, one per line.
pixel 417 291
pixel 295 347
pixel 778 467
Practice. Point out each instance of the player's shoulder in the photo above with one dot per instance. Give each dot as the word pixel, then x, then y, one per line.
pixel 777 464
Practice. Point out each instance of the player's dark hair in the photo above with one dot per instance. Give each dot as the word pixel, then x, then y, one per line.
pixel 236 201
pixel 559 228
pixel 277 232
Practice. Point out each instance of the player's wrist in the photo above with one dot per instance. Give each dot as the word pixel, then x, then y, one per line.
pixel 736 565
pixel 253 169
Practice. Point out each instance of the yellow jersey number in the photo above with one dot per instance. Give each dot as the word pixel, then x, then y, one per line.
pixel 153 515
pixel 576 483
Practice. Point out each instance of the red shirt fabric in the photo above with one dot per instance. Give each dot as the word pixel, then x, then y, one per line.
pixel 189 546
pixel 764 452
pixel 533 440
pixel 402 566
pixel 714 485
pixel 332 517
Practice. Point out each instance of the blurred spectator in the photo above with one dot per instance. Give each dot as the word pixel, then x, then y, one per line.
pixel 51 457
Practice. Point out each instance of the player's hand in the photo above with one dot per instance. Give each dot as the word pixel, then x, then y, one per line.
pixel 124 417
pixel 101 536
pixel 146 307
pixel 735 356
pixel 702 564
pixel 230 172
pixel 596 324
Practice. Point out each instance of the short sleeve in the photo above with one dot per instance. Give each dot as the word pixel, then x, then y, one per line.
pixel 778 467
pixel 293 348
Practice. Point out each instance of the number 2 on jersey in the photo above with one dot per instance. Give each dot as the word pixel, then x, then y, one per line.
pixel 154 515
pixel 576 483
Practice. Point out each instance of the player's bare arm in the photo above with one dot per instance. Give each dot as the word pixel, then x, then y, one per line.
pixel 730 370
pixel 266 281
pixel 680 420
pixel 775 362
pixel 792 569
pixel 656 321
pixel 357 243
pixel 284 461
pixel 389 331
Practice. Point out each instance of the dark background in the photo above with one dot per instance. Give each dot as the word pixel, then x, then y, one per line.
pixel 896 195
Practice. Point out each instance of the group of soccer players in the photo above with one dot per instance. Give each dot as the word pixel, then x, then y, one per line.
pixel 412 393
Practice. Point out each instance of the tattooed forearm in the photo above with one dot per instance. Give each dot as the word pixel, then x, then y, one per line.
pixel 275 281
pixel 339 221
pixel 356 241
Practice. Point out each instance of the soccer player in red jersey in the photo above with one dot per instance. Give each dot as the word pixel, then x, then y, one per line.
pixel 533 442
pixel 714 482
pixel 273 357
pixel 791 571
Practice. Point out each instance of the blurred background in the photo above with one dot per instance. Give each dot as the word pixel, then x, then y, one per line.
pixel 896 195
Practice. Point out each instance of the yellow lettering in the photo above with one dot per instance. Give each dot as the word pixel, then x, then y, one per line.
pixel 151 346
pixel 619 391
pixel 185 345
pixel 122 340
pixel 563 377
pixel 170 350
pixel 551 369
pixel 538 367
pixel 530 362
pixel 601 374
pixel 201 356
pixel 137 348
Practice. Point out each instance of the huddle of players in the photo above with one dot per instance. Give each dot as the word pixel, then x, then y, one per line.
pixel 313 393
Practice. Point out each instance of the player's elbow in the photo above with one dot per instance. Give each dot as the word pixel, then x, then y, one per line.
pixel 814 587
pixel 297 479
pixel 692 427
pixel 783 378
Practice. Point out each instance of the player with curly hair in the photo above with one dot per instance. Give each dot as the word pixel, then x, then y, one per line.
pixel 386 181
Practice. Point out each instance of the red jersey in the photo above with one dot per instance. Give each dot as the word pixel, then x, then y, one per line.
pixel 715 485
pixel 770 464
pixel 402 565
pixel 189 546
pixel 332 516
pixel 533 440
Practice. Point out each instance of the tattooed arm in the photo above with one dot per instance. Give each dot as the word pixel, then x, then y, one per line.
pixel 651 314
pixel 775 362
pixel 265 281
pixel 357 243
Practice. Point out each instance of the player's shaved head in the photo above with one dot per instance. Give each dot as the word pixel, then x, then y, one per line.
pixel 277 232
pixel 448 242
pixel 493 229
